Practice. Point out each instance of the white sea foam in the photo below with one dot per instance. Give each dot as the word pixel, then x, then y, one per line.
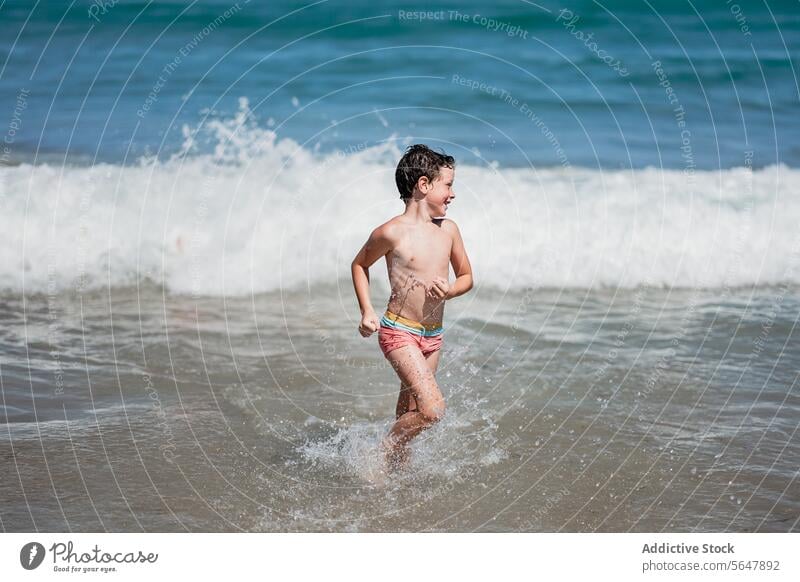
pixel 461 445
pixel 259 213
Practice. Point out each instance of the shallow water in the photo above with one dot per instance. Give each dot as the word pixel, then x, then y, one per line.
pixel 568 410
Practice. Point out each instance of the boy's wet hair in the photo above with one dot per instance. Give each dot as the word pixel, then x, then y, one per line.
pixel 419 160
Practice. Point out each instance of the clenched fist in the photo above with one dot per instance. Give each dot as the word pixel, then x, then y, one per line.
pixel 439 289
pixel 369 324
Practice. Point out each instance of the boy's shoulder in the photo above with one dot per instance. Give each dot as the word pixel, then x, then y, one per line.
pixel 389 233
pixel 390 228
pixel 449 226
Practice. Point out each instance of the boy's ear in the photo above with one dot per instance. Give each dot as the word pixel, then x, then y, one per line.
pixel 423 183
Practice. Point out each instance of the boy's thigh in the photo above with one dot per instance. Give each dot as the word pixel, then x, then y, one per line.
pixel 415 372
pixel 405 401
pixel 433 361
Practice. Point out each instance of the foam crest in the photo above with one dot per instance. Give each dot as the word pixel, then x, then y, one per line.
pixel 242 211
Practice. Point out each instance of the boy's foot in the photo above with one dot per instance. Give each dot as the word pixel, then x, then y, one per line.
pixel 376 474
pixel 400 459
pixel 373 470
pixel 395 457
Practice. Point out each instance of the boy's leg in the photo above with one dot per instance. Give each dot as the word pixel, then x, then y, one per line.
pixel 406 402
pixel 415 372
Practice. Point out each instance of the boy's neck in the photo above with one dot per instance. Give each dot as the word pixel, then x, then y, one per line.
pixel 418 211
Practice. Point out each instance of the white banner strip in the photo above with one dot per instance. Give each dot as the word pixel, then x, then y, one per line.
pixel 354 557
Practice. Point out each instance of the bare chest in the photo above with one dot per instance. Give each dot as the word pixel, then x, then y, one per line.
pixel 425 251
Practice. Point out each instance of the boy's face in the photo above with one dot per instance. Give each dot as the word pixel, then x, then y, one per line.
pixel 439 193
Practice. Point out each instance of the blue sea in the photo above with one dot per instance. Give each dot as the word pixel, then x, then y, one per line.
pixel 184 184
pixel 334 74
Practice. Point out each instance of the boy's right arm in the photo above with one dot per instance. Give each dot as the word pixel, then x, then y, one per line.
pixel 378 244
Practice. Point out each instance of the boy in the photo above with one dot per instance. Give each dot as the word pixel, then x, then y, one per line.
pixel 418 245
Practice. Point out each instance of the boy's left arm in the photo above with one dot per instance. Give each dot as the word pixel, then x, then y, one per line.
pixel 460 262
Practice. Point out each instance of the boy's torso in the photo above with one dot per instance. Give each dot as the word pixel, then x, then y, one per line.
pixel 420 254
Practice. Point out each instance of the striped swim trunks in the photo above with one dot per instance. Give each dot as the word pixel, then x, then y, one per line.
pixel 397 331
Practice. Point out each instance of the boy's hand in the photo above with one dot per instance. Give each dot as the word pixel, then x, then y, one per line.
pixel 369 324
pixel 439 289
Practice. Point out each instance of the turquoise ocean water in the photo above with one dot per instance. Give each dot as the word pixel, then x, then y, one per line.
pixel 337 74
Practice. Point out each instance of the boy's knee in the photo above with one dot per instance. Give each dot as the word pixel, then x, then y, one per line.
pixel 434 414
